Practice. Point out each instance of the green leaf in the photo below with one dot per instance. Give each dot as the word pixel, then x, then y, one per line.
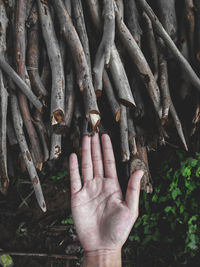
pixel 176 193
pixel 154 198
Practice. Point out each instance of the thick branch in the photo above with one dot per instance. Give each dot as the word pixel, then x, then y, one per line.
pixel 55 146
pixel 140 162
pixel 81 29
pixel 132 20
pixel 4 180
pixel 164 87
pixel 167 16
pixel 114 105
pixel 131 133
pixel 117 70
pixel 33 54
pixel 39 124
pixel 152 48
pixel 82 69
pixel 105 48
pixel 140 63
pixel 194 79
pixel 20 83
pixel 20 59
pixel 125 152
pixel 58 80
pixel 18 125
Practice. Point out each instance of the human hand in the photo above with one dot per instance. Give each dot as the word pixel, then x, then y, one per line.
pixel 103 219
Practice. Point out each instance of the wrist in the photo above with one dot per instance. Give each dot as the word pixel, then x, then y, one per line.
pixel 102 258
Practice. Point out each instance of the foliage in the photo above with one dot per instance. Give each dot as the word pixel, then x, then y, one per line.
pixel 59 176
pixel 170 218
pixel 69 220
pixel 21 230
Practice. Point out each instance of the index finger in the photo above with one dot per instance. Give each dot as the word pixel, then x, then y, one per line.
pixel 108 156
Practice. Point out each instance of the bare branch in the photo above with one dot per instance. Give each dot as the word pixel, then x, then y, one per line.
pixel 140 63
pixel 194 79
pixel 114 105
pixel 4 180
pixel 132 20
pixel 18 125
pixel 20 83
pixel 58 80
pixel 125 152
pixel 82 69
pixel 33 54
pixel 105 48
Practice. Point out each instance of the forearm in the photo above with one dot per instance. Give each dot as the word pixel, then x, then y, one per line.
pixel 102 258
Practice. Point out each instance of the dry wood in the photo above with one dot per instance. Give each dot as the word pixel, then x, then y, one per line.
pixel 95 12
pixel 120 5
pixel 178 125
pixel 53 50
pixel 112 101
pixel 82 69
pixel 46 255
pixel 120 80
pixel 68 6
pixel 197 29
pixel 18 125
pixel 194 79
pixel 152 48
pixel 64 127
pixel 185 87
pixel 20 83
pixel 136 86
pixel 116 67
pixel 75 135
pixel 131 133
pixel 123 123
pixel 105 48
pixel 4 180
pixel 56 149
pixel 190 25
pixel 46 70
pixel 140 162
pixel 140 63
pixel 42 132
pixel 20 60
pixel 81 29
pixel 33 53
pixel 132 20
pixel 11 133
pixel 164 87
pixel 167 16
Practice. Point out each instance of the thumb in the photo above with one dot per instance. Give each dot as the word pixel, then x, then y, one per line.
pixel 133 192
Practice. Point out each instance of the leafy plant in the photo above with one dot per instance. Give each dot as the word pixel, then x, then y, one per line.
pixel 59 176
pixel 69 220
pixel 171 214
pixel 21 230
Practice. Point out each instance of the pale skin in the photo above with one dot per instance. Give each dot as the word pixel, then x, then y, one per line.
pixel 103 218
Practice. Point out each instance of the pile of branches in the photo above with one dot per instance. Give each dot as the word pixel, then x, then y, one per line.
pixel 59 59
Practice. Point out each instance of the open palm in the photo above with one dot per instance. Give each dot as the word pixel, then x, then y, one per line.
pixel 103 220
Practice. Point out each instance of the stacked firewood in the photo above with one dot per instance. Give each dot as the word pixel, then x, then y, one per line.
pixel 58 59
